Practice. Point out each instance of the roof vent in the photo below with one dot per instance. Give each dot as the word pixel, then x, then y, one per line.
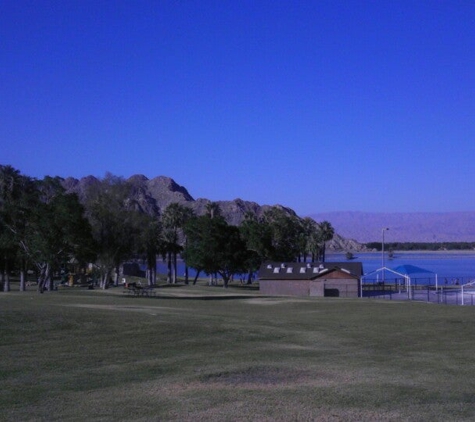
pixel 289 270
pixel 303 270
pixel 276 270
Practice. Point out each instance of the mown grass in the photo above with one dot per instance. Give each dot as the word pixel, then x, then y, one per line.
pixel 201 353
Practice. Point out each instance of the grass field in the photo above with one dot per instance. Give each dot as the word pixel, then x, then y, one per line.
pixel 199 353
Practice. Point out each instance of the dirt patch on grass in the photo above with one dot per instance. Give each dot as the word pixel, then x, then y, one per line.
pixel 259 376
pixel 272 301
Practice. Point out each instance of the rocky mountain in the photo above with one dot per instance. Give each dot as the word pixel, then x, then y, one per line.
pixel 403 227
pixel 152 196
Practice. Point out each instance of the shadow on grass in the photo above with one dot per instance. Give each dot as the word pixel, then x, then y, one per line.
pixel 248 287
pixel 211 297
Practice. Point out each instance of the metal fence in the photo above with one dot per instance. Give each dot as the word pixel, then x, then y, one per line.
pixel 442 294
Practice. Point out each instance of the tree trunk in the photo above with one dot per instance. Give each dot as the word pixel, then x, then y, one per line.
pixel 169 268
pixel 43 277
pixel 6 276
pixel 23 276
pixel 151 269
pixel 186 274
pixel 150 277
pixel 196 277
pixel 6 279
pixel 22 279
pixel 105 280
pixel 175 267
pixel 225 280
pixel 49 282
pixel 249 277
pixel 117 273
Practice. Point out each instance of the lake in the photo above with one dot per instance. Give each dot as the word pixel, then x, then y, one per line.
pixel 449 266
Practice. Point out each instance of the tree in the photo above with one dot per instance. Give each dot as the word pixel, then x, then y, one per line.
pixel 257 235
pixel 173 219
pixel 58 231
pixel 215 247
pixel 307 237
pixel 285 232
pixel 115 224
pixel 11 219
pixel 150 244
pixel 39 223
pixel 44 224
pixel 326 233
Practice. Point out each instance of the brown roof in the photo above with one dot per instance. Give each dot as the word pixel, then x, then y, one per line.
pixel 306 270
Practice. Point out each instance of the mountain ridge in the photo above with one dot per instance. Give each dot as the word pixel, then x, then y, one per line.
pixel 364 227
pixel 152 196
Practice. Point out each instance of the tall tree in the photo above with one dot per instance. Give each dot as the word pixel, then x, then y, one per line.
pixel 45 224
pixel 10 193
pixel 310 241
pixel 114 223
pixel 257 235
pixel 150 244
pixel 326 233
pixel 215 247
pixel 285 232
pixel 174 218
pixel 41 223
pixel 59 231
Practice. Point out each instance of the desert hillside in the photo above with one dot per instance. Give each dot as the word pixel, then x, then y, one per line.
pixel 152 196
pixel 403 227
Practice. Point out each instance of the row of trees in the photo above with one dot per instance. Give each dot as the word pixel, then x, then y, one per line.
pixel 423 246
pixel 43 227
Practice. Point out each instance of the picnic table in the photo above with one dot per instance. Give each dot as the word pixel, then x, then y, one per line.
pixel 137 289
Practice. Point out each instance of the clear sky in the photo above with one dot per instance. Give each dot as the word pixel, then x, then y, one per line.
pixel 316 105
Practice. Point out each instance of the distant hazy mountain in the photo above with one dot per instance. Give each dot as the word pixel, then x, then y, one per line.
pixel 403 227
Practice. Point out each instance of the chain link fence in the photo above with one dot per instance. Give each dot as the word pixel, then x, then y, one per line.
pixel 445 294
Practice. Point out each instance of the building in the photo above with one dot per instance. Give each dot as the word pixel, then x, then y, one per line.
pixel 330 279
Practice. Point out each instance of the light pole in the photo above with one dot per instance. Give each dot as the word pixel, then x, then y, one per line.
pixel 382 250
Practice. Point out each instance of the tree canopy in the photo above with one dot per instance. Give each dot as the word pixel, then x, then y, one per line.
pixel 43 226
pixel 215 247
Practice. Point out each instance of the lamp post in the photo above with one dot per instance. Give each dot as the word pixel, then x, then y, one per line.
pixel 382 250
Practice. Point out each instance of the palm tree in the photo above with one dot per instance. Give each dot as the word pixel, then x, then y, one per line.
pixel 173 219
pixel 150 244
pixel 326 233
pixel 307 244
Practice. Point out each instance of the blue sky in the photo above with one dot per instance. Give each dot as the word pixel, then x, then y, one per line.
pixel 316 105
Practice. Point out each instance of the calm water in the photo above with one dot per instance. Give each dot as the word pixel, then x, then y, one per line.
pixel 447 265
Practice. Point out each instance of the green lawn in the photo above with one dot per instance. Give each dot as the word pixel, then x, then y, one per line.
pixel 199 353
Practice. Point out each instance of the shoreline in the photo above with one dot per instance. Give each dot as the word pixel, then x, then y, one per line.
pixel 420 252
